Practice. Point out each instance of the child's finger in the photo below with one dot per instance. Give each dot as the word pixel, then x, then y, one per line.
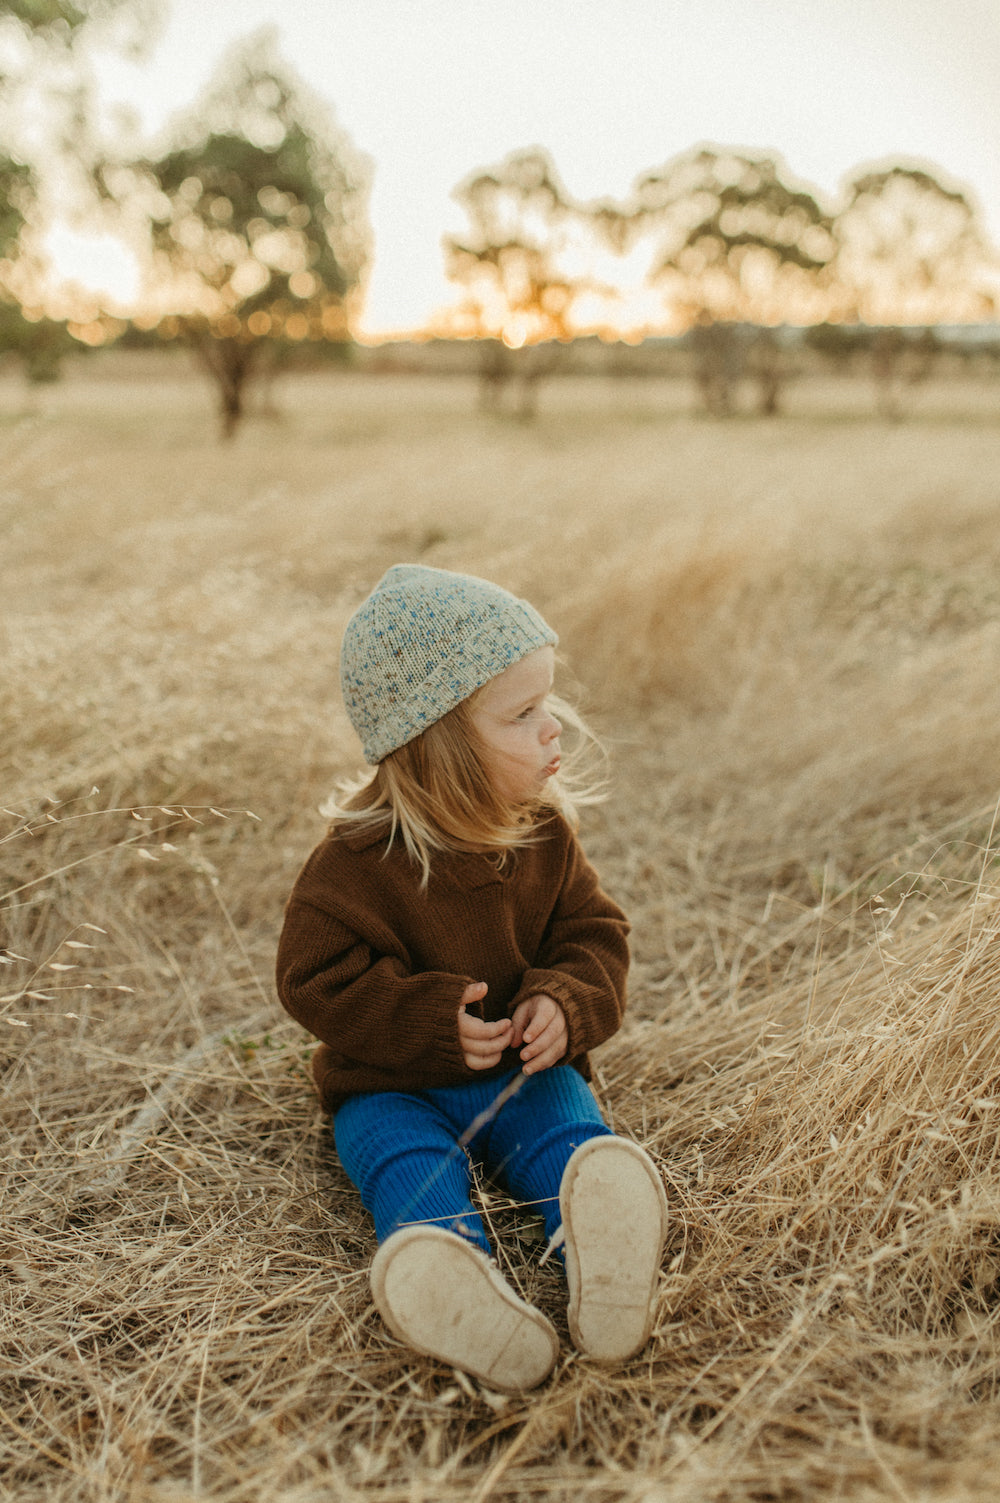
pixel 549 1046
pixel 520 1021
pixel 495 1045
pixel 544 1061
pixel 475 1028
pixel 546 1011
pixel 483 1044
pixel 546 1014
pixel 545 1040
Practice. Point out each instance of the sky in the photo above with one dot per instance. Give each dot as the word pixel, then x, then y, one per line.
pixel 433 89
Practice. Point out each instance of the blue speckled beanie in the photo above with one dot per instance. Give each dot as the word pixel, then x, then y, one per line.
pixel 424 640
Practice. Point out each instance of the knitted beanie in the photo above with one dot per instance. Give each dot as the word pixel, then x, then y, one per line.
pixel 424 640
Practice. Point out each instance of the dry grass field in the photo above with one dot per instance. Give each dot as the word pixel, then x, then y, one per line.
pixel 789 635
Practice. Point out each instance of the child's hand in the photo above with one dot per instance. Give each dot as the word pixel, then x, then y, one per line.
pixel 540 1024
pixel 482 1043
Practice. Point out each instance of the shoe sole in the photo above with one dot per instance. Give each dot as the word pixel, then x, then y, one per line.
pixel 443 1297
pixel 614 1215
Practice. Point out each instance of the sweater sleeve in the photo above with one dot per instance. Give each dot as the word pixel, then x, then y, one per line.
pixel 583 960
pixel 363 1004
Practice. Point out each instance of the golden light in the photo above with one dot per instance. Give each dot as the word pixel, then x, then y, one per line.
pixel 333 320
pixel 515 333
pixel 93 334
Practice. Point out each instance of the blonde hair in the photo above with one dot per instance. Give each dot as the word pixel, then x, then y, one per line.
pixel 436 794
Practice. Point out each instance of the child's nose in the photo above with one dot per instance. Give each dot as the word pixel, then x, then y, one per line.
pixel 551 728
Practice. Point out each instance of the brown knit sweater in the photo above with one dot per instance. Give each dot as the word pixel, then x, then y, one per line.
pixel 376 968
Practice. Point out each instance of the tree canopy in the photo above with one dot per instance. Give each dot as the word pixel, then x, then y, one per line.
pixel 734 239
pixel 521 258
pixel 61 20
pixel 39 341
pixel 58 16
pixel 17 194
pixel 911 250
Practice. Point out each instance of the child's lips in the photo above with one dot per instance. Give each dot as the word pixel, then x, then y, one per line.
pixel 552 768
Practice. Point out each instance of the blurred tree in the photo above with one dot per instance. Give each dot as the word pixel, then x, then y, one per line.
pixel 39 55
pixel 909 251
pixel 18 191
pixel 47 153
pixel 895 358
pixel 523 265
pixel 718 361
pixel 57 16
pixel 840 345
pixel 39 341
pixel 57 23
pixel 735 245
pixel 258 222
pixel 900 358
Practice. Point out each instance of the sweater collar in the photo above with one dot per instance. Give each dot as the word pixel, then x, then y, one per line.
pixel 468 869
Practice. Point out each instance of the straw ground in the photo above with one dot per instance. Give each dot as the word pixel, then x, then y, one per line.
pixel 790 636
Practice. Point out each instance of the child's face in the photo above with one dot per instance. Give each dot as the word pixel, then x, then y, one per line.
pixel 519 735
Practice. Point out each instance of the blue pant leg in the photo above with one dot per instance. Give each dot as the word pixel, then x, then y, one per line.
pixel 535 1133
pixel 402 1153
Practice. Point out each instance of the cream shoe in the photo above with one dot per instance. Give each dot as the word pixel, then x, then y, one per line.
pixel 443 1297
pixel 614 1215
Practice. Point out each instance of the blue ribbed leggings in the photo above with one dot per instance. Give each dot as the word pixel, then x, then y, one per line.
pixel 401 1149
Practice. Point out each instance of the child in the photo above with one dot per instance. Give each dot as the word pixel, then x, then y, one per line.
pixel 450 946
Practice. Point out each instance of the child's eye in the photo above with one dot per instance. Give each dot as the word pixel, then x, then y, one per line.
pixel 527 714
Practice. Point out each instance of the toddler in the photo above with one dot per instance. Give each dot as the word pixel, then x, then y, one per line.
pixel 450 946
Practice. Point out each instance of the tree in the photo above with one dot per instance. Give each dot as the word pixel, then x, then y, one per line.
pixel 909 251
pixel 18 191
pixel 56 19
pixel 35 341
pixel 523 265
pixel 18 194
pixel 735 244
pixel 258 223
pixel 39 54
pixel 47 153
pixel 40 343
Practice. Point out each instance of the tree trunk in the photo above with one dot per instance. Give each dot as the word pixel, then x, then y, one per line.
pixel 718 366
pixel 887 348
pixel 494 373
pixel 230 364
pixel 527 407
pixel 768 373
